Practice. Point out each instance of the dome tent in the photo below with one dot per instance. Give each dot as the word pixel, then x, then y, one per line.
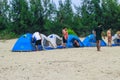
pixel 24 43
pixel 70 41
pixel 55 40
pixel 116 40
pixel 90 41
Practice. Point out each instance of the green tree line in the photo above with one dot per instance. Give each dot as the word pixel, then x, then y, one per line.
pixel 18 17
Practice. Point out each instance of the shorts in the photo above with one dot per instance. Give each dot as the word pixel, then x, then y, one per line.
pixel 64 40
pixel 38 42
pixel 98 38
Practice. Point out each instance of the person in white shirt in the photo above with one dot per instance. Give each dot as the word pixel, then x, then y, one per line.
pixel 40 39
pixel 53 39
pixel 37 38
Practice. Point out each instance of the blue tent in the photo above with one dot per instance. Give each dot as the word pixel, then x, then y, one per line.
pixel 90 41
pixel 116 42
pixel 24 43
pixel 70 41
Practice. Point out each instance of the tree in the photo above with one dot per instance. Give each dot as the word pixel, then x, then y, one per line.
pixel 111 12
pixel 64 16
pixel 19 12
pixel 4 8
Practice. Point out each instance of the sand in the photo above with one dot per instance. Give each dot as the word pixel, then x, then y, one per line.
pixel 60 64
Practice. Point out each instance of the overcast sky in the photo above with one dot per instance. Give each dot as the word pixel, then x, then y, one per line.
pixel 74 2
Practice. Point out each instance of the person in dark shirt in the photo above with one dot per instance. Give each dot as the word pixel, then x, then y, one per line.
pixel 98 34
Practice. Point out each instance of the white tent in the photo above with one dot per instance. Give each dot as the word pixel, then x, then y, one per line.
pixel 55 40
pixel 115 39
pixel 45 41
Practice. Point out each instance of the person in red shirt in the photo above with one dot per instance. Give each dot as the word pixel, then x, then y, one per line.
pixel 65 36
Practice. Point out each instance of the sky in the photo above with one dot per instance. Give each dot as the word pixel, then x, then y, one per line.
pixel 74 2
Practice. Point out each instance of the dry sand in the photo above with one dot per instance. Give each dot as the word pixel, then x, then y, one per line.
pixel 60 64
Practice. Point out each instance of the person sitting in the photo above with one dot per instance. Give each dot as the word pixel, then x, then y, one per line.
pixel 116 38
pixel 76 43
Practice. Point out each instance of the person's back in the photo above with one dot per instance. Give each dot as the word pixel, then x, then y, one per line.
pixel 98 32
pixel 98 35
pixel 36 35
pixel 37 38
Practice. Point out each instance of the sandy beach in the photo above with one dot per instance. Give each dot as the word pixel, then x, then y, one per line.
pixel 60 64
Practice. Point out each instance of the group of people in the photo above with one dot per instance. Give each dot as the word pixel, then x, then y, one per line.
pixel 52 41
pixel 98 35
pixel 115 38
pixel 38 39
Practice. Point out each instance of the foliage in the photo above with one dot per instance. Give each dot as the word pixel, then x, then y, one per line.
pixel 70 31
pixel 7 35
pixel 22 16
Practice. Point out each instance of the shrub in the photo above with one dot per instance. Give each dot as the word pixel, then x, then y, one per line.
pixel 70 31
pixel 7 35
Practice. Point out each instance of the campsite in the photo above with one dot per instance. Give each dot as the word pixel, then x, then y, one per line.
pixel 59 39
pixel 60 64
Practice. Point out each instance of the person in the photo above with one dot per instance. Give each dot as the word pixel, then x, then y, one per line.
pixel 116 38
pixel 53 39
pixel 65 36
pixel 98 35
pixel 37 38
pixel 109 37
pixel 76 43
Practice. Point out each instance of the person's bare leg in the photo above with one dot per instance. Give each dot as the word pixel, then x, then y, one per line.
pixel 98 45
pixel 109 43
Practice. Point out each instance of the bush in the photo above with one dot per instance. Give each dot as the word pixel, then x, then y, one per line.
pixel 6 34
pixel 70 31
